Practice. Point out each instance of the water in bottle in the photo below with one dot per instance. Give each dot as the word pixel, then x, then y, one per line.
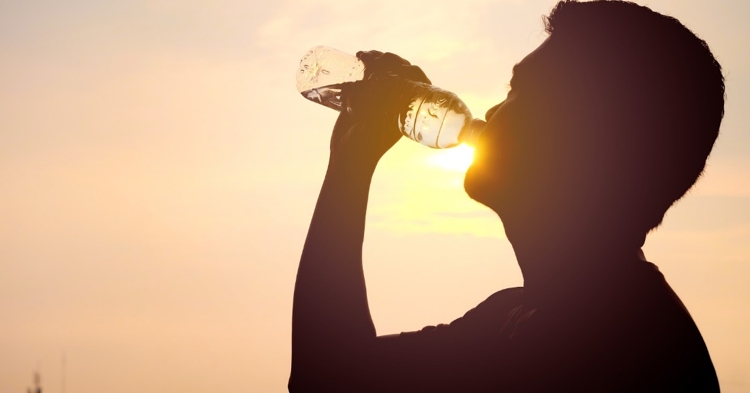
pixel 430 115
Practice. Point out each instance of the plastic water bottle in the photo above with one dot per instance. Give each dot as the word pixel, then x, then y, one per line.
pixel 432 116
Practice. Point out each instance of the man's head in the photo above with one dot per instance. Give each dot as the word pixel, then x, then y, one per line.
pixel 607 124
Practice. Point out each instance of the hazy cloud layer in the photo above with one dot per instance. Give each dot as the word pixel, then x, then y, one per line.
pixel 159 169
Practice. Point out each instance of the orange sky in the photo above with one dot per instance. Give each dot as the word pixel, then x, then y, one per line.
pixel 159 170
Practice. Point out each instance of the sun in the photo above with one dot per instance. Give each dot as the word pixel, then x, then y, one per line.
pixel 455 159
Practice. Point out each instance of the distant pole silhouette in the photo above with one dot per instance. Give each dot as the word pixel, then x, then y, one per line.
pixel 37 384
pixel 62 388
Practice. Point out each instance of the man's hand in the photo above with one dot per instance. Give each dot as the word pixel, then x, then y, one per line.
pixel 368 125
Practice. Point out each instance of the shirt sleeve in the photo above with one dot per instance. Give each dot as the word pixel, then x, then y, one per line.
pixel 459 356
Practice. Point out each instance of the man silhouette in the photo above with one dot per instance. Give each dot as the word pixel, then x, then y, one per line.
pixel 607 124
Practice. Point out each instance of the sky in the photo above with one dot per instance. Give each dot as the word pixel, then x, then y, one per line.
pixel 158 170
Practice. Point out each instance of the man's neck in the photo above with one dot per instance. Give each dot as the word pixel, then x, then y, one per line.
pixel 552 272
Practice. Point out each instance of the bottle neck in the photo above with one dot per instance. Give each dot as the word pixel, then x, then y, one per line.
pixel 471 132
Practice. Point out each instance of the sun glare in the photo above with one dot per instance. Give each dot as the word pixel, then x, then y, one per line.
pixel 456 159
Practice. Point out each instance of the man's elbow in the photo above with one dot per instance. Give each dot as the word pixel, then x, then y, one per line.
pixel 325 379
pixel 310 384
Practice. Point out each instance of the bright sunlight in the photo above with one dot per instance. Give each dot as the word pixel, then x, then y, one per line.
pixel 456 159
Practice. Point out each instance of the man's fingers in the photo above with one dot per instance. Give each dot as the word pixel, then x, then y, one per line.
pixel 414 73
pixel 392 59
pixel 368 56
pixel 379 64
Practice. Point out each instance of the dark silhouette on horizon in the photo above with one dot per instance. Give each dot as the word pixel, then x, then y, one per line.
pixel 37 384
pixel 607 124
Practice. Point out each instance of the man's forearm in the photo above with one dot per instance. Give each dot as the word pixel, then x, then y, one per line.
pixel 331 318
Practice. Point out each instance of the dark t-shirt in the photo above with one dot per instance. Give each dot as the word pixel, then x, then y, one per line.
pixel 628 332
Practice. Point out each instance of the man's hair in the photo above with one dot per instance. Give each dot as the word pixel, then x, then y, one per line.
pixel 653 84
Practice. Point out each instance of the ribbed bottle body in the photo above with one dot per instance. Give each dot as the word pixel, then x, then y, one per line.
pixel 427 114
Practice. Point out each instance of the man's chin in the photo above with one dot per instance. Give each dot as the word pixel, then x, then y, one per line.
pixel 486 187
pixel 476 185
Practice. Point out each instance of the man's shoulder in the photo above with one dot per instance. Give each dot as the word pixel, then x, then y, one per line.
pixel 478 324
pixel 495 309
pixel 507 298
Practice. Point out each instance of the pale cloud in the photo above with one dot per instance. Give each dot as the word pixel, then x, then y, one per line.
pixel 420 31
pixel 724 177
pixel 410 195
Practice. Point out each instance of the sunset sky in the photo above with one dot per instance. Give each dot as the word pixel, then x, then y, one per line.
pixel 158 171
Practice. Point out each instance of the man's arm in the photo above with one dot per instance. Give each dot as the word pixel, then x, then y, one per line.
pixel 332 332
pixel 331 324
pixel 334 344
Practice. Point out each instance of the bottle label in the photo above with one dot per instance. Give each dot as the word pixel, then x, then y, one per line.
pixel 434 117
